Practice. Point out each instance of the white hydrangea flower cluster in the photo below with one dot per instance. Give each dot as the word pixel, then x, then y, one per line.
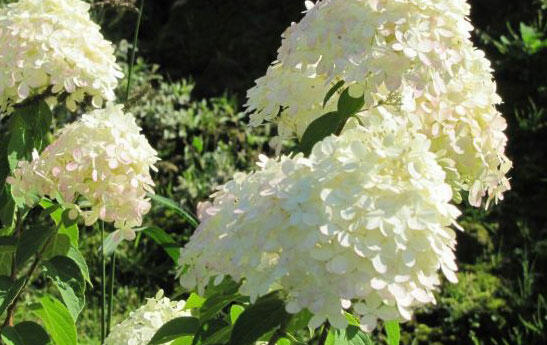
pixel 363 224
pixel 418 50
pixel 53 46
pixel 102 158
pixel 143 323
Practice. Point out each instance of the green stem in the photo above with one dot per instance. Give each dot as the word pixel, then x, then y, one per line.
pixel 134 50
pixel 103 286
pixel 324 334
pixel 111 293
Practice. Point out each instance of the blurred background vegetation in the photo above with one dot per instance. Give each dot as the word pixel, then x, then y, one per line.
pixel 196 60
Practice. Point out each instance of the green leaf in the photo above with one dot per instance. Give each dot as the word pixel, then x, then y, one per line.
pixel 7 207
pixel 165 241
pixel 186 340
pixel 235 312
pixel 349 336
pixel 260 318
pixel 174 329
pixel 5 262
pixel 321 128
pixel 299 321
pixel 218 297
pixel 68 279
pixel 393 332
pixel 31 242
pixel 66 242
pixel 9 290
pixel 283 341
pixel 197 143
pixel 66 226
pixel 8 245
pixel 194 301
pixel 214 304
pixel 57 321
pixel 352 100
pixel 79 259
pixel 332 91
pixel 356 337
pixel 218 337
pixel 25 333
pixel 354 321
pixel 170 204
pixel 28 127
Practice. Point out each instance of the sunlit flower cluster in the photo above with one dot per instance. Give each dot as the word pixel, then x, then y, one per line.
pixel 363 223
pixel 143 323
pixel 101 158
pixel 53 47
pixel 419 50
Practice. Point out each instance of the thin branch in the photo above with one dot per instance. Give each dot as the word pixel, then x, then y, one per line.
pixel 103 286
pixel 28 277
pixel 134 50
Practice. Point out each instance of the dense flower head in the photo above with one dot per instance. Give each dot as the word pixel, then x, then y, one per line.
pixel 143 323
pixel 364 224
pixel 102 158
pixel 419 50
pixel 53 46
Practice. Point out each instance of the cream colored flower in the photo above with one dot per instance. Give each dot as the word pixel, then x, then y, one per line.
pixel 143 323
pixel 53 46
pixel 104 160
pixel 363 223
pixel 418 50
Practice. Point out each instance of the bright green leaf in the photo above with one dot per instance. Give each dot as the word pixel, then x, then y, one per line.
pixel 68 279
pixel 235 312
pixel 194 301
pixel 393 332
pixel 354 321
pixel 182 326
pixel 57 321
pixel 197 143
pixel 79 259
pixel 186 340
pixel 284 341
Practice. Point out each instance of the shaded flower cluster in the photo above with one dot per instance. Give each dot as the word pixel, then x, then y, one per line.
pixel 418 50
pixel 142 324
pixel 101 158
pixel 53 47
pixel 363 224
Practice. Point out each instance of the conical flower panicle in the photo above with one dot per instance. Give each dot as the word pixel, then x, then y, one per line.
pixel 102 158
pixel 53 46
pixel 364 222
pixel 418 50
